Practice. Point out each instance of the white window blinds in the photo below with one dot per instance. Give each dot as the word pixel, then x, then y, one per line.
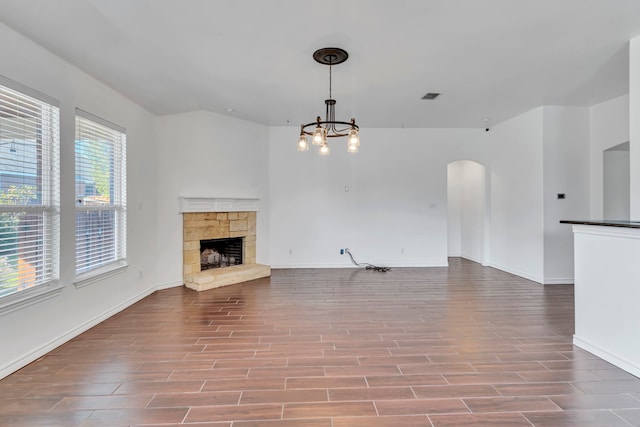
pixel 29 191
pixel 101 196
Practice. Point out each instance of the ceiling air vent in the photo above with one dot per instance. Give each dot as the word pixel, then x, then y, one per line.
pixel 431 96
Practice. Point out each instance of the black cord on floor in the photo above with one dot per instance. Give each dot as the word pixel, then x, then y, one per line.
pixel 366 265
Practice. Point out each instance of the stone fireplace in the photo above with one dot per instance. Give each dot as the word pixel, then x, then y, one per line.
pixel 208 219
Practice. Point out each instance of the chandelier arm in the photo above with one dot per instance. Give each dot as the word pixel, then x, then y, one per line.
pixel 338 132
pixel 333 118
pixel 331 115
pixel 327 110
pixel 325 122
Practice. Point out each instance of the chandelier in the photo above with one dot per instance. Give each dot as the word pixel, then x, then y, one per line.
pixel 321 130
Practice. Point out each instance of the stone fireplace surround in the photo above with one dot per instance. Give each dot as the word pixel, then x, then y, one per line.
pixel 217 218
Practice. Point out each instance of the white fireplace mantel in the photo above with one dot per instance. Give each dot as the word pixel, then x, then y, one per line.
pixel 216 204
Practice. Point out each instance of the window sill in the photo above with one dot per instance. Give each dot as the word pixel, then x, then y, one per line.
pixel 99 274
pixel 28 297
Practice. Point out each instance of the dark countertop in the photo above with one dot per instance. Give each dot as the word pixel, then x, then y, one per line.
pixel 605 223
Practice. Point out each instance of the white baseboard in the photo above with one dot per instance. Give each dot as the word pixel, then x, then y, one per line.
pixel 537 279
pixel 275 266
pixel 471 258
pixel 611 358
pixel 559 281
pixel 169 285
pixel 518 273
pixel 57 342
pixel 440 263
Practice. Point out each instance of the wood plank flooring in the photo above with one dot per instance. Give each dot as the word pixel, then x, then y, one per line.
pixel 458 346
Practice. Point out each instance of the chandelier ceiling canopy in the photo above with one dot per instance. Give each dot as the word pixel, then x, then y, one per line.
pixel 320 130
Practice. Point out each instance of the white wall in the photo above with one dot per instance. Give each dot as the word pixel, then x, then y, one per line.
pixel 203 154
pixel 395 212
pixel 608 127
pixel 634 128
pixel 566 171
pixel 31 331
pixel 616 184
pixel 535 156
pixel 516 195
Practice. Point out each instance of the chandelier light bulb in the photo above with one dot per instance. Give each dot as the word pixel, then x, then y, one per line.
pixel 352 148
pixel 324 149
pixel 354 139
pixel 318 136
pixel 302 143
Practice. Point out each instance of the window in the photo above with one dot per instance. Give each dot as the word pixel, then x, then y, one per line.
pixel 29 189
pixel 100 195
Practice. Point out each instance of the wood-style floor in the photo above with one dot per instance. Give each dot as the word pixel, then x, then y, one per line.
pixel 456 346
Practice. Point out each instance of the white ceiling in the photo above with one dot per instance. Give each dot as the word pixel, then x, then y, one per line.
pixel 489 58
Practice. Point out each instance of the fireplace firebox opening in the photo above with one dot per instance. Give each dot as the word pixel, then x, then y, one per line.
pixel 218 253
